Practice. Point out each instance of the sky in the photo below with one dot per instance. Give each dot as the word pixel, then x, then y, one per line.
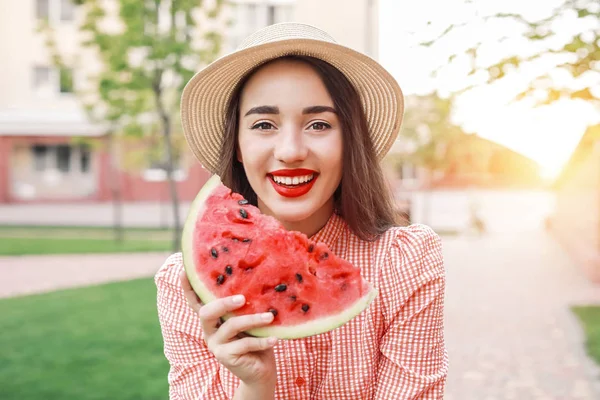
pixel 546 134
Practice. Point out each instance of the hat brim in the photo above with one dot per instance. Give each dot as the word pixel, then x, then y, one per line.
pixel 206 96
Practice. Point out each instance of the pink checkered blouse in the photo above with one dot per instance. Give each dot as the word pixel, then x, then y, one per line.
pixel 394 350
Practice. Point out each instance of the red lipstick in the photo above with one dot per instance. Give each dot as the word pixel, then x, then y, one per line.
pixel 297 190
pixel 293 172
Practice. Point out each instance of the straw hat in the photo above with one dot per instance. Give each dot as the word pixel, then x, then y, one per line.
pixel 206 95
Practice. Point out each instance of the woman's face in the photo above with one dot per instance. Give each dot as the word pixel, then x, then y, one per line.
pixel 290 144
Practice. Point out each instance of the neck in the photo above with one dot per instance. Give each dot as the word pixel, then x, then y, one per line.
pixel 309 226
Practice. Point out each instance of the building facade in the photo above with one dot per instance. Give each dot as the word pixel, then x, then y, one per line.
pixel 42 158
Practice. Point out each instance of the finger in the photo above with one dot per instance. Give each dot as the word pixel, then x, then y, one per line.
pixel 211 313
pixel 236 325
pixel 248 345
pixel 190 296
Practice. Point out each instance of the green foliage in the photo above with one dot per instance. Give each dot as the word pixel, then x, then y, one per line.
pixel 428 129
pixel 589 317
pixel 50 245
pixel 145 63
pixel 582 49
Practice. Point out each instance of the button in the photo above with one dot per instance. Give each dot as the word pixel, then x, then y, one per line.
pixel 300 381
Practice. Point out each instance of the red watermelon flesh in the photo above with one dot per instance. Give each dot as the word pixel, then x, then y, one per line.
pixel 229 248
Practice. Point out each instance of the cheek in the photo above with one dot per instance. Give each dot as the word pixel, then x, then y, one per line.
pixel 335 153
pixel 242 147
pixel 251 151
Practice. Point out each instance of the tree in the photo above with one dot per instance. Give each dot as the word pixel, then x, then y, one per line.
pixel 429 129
pixel 576 55
pixel 426 136
pixel 145 64
pixel 427 133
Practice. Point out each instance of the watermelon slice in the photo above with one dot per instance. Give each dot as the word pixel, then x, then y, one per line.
pixel 229 247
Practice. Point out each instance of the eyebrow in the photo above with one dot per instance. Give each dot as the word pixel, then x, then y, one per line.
pixel 275 110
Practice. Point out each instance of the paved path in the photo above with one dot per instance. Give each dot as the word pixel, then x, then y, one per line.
pixel 142 214
pixel 36 274
pixel 509 330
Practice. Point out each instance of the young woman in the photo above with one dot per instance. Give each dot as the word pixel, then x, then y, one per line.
pixel 293 103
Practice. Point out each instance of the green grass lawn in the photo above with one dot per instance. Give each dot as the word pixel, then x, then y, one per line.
pixel 22 240
pixel 100 342
pixel 590 318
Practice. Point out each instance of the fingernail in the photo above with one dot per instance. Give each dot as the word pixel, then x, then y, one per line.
pixel 238 299
pixel 272 341
pixel 266 316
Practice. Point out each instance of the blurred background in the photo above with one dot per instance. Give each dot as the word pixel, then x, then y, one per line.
pixel 499 153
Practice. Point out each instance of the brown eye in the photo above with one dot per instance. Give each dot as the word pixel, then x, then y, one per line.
pixel 319 126
pixel 263 126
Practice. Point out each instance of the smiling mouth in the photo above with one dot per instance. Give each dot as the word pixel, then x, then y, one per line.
pixel 292 182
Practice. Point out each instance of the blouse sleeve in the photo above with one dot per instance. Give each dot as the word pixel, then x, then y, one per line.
pixel 414 360
pixel 194 372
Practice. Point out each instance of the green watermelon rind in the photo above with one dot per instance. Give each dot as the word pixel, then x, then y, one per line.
pixel 313 327
pixel 316 326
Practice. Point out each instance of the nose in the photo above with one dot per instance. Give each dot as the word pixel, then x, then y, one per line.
pixel 290 147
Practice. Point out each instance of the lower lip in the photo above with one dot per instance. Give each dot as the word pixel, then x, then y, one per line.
pixel 297 191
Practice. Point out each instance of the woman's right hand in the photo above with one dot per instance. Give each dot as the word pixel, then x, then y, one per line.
pixel 249 358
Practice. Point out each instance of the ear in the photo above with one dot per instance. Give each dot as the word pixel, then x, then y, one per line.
pixel 238 154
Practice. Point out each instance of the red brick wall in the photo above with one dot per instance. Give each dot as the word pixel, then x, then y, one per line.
pixel 135 188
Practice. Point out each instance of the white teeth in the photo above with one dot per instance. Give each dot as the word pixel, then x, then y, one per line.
pixel 287 180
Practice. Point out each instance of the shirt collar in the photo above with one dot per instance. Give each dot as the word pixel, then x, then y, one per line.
pixel 330 233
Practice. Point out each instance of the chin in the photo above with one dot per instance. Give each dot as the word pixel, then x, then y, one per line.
pixel 291 212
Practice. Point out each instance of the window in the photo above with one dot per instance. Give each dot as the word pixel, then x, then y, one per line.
pixel 63 158
pixel 55 10
pixel 39 157
pixel 67 10
pixel 41 77
pixel 66 80
pixel 49 81
pixel 42 9
pixel 251 16
pixel 281 13
pixel 271 15
pixel 85 158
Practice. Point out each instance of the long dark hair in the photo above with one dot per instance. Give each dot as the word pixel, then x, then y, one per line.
pixel 363 198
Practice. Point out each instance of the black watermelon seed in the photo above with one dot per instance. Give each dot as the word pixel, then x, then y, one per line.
pixel 228 270
pixel 243 213
pixel 305 307
pixel 293 297
pixel 273 311
pixel 299 278
pixel 324 256
pixel 214 253
pixel 220 279
pixel 311 248
pixel 226 249
pixel 243 202
pixel 281 287
pixel 246 240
